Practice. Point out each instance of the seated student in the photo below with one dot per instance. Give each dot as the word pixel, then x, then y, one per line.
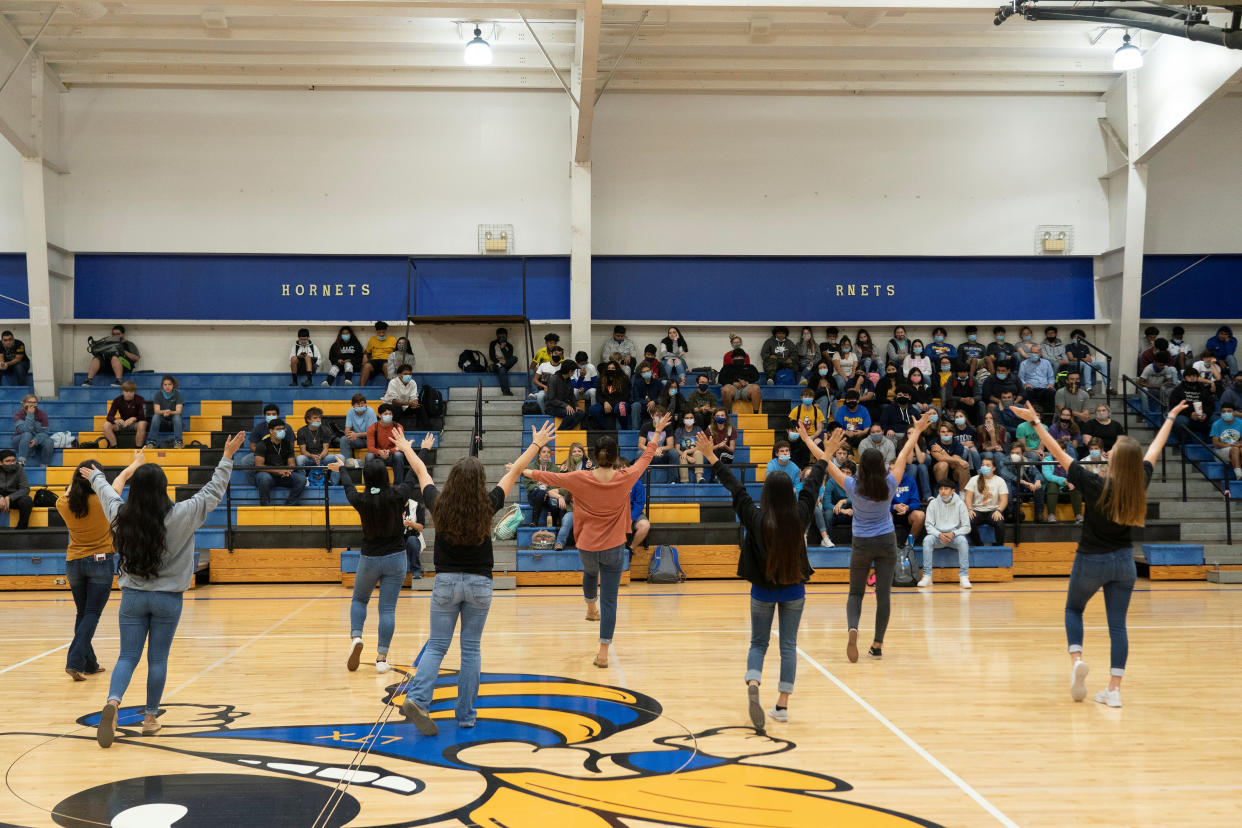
pixel 315 441
pixel 1039 380
pixel 1159 379
pixel 1005 412
pixel 686 437
pixel 645 391
pixel 818 378
pixel 402 396
pixel 897 417
pixel 344 356
pixel 576 461
pixel 31 432
pixel 1024 477
pixel 778 353
pixel 917 360
pixel 358 420
pixel 546 502
pixel 782 461
pixel 378 349
pixel 381 445
pixel 1181 351
pixel 949 457
pixel 1152 342
pixel 920 390
pixel 806 411
pixel 244 459
pixel 898 348
pixel 1227 438
pixel 560 401
pixel 962 392
pixel 1025 340
pixel 1054 351
pixel 611 398
pixel 402 354
pixel 995 387
pixel 673 350
pixel 909 516
pixel 1104 428
pixel 1210 371
pixel 1027 434
pixel 14 361
pixel 871 361
pixel 798 449
pixel 876 440
pixel 1202 402
pixel 1065 431
pixel 1079 355
pixel 274 466
pixel 120 356
pixel 971 352
pixel 942 376
pixel 886 388
pixel 999 352
pixel 1073 396
pixel 833 507
pixel 854 418
pixel 639 525
pixel 948 524
pixel 986 499
pixel 651 362
pixel 1225 347
pixel 501 359
pixel 544 373
pixel 939 347
pixel 807 350
pixel 14 489
pixel 415 521
pixel 620 349
pixel 844 365
pixel 735 344
pixel 992 440
pixel 965 436
pixel 166 407
pixel 828 348
pixel 673 401
pixel 585 379
pixel 703 402
pixel 1233 394
pixel 544 354
pixel 1055 483
pixel 303 359
pixel 865 388
pixel 127 413
pixel 665 453
pixel 740 380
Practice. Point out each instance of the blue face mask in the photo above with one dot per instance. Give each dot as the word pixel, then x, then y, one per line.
pixel 719 420
pixel 1000 337
pixel 1026 338
pixel 279 434
pixel 934 417
pixel 1000 375
pixel 846 349
pixel 877 437
pixel 918 349
pixel 646 375
pixel 946 438
pixel 315 424
pixel 939 338
pixel 960 421
pixel 269 417
pixel 782 458
pixel 387 418
pixel 360 409
pixel 345 337
pixel 1033 358
pixel 1095 454
pixel 807 401
pixel 407 379
pixel 823 372
pixel 972 337
pixel 946 498
pixel 986 471
pixel 793 435
pixel 1227 416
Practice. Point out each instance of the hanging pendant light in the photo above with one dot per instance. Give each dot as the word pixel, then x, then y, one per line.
pixel 478 52
pixel 1127 56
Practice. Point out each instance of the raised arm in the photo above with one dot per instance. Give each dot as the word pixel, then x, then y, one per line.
pixel 416 463
pixel 1025 412
pixel 538 439
pixel 831 443
pixel 208 497
pixel 1162 436
pixel 898 469
pixel 118 485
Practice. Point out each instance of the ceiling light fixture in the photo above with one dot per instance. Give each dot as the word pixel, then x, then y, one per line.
pixel 478 52
pixel 1127 56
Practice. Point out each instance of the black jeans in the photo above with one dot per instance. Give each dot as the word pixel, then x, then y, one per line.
pixel 879 552
pixel 502 370
pixel 90 581
pixel 22 505
pixel 985 519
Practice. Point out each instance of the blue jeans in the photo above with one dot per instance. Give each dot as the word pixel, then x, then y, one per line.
pixel 761 632
pixel 567 527
pixel 389 572
pixel 959 542
pixel 157 423
pixel 675 368
pixel 602 570
pixel 1088 371
pixel 397 461
pixel 454 594
pixel 662 475
pixel 502 370
pixel 1115 573
pixel 90 581
pixel 42 445
pixel 413 549
pixel 303 462
pixel 145 615
pixel 16 375
pixel 295 482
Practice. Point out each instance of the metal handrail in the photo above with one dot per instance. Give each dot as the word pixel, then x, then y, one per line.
pixel 1108 359
pixel 1144 395
pixel 1017 504
pixel 476 436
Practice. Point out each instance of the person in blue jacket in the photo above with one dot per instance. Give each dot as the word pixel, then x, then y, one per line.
pixel 907 509
pixel 854 418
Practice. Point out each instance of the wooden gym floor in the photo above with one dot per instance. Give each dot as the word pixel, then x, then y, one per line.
pixel 966 721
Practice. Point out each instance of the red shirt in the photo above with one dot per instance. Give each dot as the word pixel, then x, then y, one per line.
pixel 379 436
pixel 601 509
pixel 124 409
pixel 728 359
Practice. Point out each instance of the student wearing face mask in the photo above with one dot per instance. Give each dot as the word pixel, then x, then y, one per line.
pixel 674 401
pixel 665 446
pixel 834 510
pixel 1079 356
pixel 782 461
pixel 402 354
pixel 1201 401
pixel 1073 396
pixel 999 352
pixel 501 359
pixel 1104 427
pixel 344 356
pixel 1055 483
pixel 585 379
pixel 1066 432
pixel 962 392
pixel 965 437
pixel 909 517
pixel 245 459
pixel 886 388
pixel 844 364
pixel 949 457
pixel 611 398
pixel 898 348
pixel 358 420
pixel 897 417
pixel 943 377
pixel 303 359
pixel 920 389
pixel 987 496
pixel 1233 394
pixel 274 465
pixel 917 360
pixel 1226 434
pixel 645 390
pixel 1023 474
pixel 995 386
pixel 703 402
pixel 853 418
pixel 378 349
pixel 948 524
pixel 1039 381
pixel 380 443
pixel 807 410
pixel 686 439
pixel 723 436
pixel 544 372
pixel 402 395
pixel 939 348
pixel 971 352
pixel 314 442
pixel 876 440
pixel 14 489
pixel 819 382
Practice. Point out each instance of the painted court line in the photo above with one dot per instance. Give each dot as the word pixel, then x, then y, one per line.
pixel 32 658
pixel 913 745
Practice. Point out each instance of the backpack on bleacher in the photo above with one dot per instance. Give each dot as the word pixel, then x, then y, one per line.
pixel 44 497
pixel 904 575
pixel 431 400
pixel 786 377
pixel 472 362
pixel 664 567
pixel 506 524
pixel 531 407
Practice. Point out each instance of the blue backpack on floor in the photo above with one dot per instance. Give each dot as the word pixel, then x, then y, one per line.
pixel 664 567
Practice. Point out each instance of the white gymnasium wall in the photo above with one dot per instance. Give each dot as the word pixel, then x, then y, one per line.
pixel 1194 186
pixel 866 175
pixel 12 213
pixel 313 172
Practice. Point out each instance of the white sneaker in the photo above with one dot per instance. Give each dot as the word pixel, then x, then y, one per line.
pixel 964 581
pixel 1110 697
pixel 1078 680
pixel 779 714
pixel 824 540
pixel 325 383
pixel 1237 473
pixel 382 666
pixel 349 382
pixel 926 580
pixel 355 655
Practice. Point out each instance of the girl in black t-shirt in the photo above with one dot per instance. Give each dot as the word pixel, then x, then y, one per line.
pixel 1104 559
pixel 344 355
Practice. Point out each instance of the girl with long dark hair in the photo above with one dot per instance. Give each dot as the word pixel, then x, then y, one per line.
pixel 344 356
pixel 871 492
pixel 673 350
pixel 773 559
pixel 1105 556
pixel 381 508
pixel 154 542
pixel 601 521
pixel 462 514
pixel 89 563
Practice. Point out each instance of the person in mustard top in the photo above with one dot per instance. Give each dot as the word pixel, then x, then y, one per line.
pixel 379 348
pixel 89 564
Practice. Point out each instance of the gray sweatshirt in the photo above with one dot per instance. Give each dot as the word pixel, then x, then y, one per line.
pixel 177 563
pixel 13 482
pixel 947 517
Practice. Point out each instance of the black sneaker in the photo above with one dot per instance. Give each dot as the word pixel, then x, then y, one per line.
pixel 874 652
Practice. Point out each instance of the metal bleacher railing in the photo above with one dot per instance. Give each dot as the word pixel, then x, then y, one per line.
pixel 476 434
pixel 1108 361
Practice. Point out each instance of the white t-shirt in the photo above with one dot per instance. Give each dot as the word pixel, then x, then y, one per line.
pixel 989 499
pixel 546 370
pixel 309 349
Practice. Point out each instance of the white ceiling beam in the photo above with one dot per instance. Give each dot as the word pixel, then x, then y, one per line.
pixel 803 5
pixel 586 52
pixel 11 38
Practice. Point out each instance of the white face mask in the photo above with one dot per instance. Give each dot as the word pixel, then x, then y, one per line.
pixel 1017 458
pixel 689 422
